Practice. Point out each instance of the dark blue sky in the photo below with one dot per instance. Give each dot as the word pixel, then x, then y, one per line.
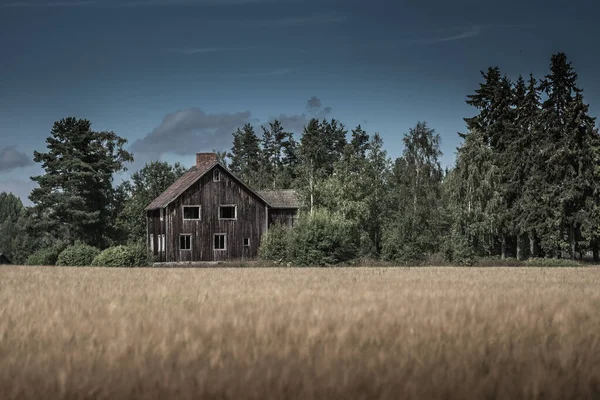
pixel 176 77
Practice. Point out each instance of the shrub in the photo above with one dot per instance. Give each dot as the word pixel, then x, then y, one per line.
pixel 77 255
pixel 274 243
pixel 45 256
pixel 123 256
pixel 552 262
pixel 323 238
pixel 458 250
pixel 141 256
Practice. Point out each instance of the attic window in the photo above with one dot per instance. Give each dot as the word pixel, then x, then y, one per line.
pixel 216 175
pixel 228 212
pixel 191 212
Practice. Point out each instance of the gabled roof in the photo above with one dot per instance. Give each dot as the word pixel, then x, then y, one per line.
pixel 283 198
pixel 188 179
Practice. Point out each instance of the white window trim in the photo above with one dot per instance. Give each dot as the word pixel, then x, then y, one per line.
pixel 152 243
pixel 228 205
pixel 224 241
pixel 244 240
pixel 185 234
pixel 161 243
pixel 191 219
pixel 216 175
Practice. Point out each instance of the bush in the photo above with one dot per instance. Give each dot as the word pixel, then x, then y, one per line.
pixel 141 256
pixel 45 256
pixel 458 250
pixel 78 255
pixel 323 238
pixel 274 243
pixel 552 262
pixel 123 256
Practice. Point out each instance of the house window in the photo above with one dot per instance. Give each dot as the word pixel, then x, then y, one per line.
pixel 228 212
pixel 191 212
pixel 220 241
pixel 185 242
pixel 216 175
pixel 246 242
pixel 151 243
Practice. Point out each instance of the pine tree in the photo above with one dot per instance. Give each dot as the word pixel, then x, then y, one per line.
pixel 74 194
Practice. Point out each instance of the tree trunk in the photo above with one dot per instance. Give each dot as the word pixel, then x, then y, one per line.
pixel 532 252
pixel 595 250
pixel 503 247
pixel 519 256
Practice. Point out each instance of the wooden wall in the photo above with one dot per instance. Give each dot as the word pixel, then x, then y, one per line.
pixel 251 221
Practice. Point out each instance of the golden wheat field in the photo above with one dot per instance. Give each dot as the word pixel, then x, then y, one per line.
pixel 285 333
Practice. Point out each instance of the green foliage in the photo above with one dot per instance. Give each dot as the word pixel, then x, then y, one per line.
pixel 323 238
pixel 75 196
pixel 123 256
pixel 46 255
pixel 274 243
pixel 414 229
pixel 11 225
pixel 551 262
pixel 77 255
pixel 144 186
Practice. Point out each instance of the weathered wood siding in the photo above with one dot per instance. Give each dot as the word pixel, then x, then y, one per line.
pixel 156 227
pixel 282 216
pixel 251 221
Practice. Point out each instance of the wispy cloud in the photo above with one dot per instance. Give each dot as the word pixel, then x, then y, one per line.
pixel 275 72
pixel 314 19
pixel 464 34
pixel 27 4
pixel 204 50
pixel 132 3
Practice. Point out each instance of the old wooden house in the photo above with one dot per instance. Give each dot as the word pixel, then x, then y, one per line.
pixel 211 215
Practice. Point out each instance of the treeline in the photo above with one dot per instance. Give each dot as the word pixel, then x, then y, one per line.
pixel 525 184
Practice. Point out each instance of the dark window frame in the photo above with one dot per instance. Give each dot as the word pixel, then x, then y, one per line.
pixel 228 206
pixel 224 236
pixel 189 238
pixel 183 208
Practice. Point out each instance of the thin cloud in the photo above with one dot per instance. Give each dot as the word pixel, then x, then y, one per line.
pixel 133 3
pixel 57 4
pixel 275 72
pixel 314 19
pixel 466 34
pixel 205 50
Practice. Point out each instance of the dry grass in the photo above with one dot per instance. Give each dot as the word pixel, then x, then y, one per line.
pixel 362 333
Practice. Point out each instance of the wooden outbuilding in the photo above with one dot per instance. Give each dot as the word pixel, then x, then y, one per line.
pixel 211 215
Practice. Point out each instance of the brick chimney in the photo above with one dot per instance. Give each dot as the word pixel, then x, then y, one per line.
pixel 205 159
